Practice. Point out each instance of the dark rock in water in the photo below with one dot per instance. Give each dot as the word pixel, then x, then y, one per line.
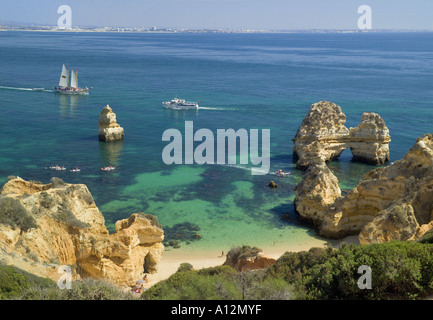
pixel 286 217
pixel 182 232
pixel 272 184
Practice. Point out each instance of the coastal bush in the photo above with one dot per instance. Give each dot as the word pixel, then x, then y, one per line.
pixel 66 216
pixel 13 213
pixel 243 252
pixel 14 281
pixel 220 283
pixel 87 289
pixel 185 267
pixel 400 270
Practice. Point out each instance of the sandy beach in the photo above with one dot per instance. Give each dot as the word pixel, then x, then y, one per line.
pixel 172 258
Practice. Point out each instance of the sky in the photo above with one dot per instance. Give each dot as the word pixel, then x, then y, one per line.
pixel 224 14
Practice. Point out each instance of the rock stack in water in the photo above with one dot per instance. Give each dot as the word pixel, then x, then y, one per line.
pixel 323 136
pixel 390 203
pixel 109 129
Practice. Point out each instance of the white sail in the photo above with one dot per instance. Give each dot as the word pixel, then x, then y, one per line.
pixel 74 80
pixel 64 78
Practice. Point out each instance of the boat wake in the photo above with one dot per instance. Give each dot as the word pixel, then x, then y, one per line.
pixel 249 168
pixel 25 89
pixel 210 108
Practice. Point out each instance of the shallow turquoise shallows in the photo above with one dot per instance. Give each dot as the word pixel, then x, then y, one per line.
pixel 251 81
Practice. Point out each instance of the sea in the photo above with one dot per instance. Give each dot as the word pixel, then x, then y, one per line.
pixel 250 81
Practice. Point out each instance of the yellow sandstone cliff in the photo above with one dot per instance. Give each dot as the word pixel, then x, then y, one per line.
pixel 60 224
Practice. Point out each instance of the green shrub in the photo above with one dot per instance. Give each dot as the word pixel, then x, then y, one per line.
pixel 66 216
pixel 13 282
pixel 14 214
pixel 221 283
pixel 87 289
pixel 185 267
pixel 400 270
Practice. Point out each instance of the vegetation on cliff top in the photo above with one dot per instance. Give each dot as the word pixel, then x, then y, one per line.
pixel 14 282
pixel 400 270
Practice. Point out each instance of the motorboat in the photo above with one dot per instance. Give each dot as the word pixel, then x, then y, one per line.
pixel 108 168
pixel 180 104
pixel 281 173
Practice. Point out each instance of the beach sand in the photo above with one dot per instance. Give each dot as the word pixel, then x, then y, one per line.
pixel 172 258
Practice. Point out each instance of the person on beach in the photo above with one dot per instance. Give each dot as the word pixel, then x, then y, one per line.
pixel 139 285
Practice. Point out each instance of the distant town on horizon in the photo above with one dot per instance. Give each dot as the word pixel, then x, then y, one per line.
pixel 14 26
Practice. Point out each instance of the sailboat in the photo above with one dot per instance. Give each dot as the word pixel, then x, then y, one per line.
pixel 73 88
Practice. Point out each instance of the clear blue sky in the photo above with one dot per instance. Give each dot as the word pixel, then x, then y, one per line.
pixel 247 14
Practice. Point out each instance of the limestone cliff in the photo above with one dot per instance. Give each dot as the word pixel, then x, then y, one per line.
pixel 59 224
pixel 369 142
pixel 390 203
pixel 323 136
pixel 109 129
pixel 316 192
pixel 409 210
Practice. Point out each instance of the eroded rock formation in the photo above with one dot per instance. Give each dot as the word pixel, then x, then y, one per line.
pixel 390 203
pixel 59 224
pixel 323 136
pixel 369 142
pixel 317 191
pixel 109 129
pixel 247 258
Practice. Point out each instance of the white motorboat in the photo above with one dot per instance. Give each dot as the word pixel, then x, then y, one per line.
pixel 281 173
pixel 180 104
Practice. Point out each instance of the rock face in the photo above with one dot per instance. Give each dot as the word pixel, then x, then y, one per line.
pixel 69 230
pixel 369 142
pixel 390 203
pixel 323 136
pixel 109 129
pixel 317 191
pixel 247 258
pixel 409 209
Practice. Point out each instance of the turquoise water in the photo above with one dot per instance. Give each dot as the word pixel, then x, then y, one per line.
pixel 252 81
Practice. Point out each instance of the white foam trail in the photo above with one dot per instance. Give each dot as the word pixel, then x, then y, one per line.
pixel 26 89
pixel 210 108
pixel 245 167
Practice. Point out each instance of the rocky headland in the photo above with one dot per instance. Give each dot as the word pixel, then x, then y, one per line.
pixel 109 129
pixel 44 226
pixel 389 203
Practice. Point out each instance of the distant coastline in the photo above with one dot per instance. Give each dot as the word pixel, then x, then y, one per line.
pixel 112 29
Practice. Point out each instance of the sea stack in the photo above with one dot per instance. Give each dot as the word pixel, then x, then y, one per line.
pixel 392 203
pixel 109 129
pixel 323 136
